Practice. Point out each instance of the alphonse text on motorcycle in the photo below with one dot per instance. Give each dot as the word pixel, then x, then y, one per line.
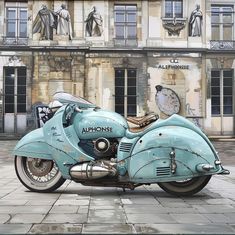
pixel 96 147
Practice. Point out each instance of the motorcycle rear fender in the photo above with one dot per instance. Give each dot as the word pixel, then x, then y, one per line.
pixel 33 145
pixel 151 159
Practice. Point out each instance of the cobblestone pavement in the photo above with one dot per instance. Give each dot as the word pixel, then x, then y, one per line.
pixel 78 209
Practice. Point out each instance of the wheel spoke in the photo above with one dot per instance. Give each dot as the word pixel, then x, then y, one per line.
pixel 42 171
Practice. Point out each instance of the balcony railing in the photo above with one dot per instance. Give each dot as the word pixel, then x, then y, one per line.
pixel 125 42
pixel 222 45
pixel 15 41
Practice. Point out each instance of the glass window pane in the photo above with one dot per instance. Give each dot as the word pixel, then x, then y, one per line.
pixel 131 100
pixel 119 73
pixel 131 7
pixel 228 91
pixel 228 82
pixel 228 73
pixel 9 89
pixel 131 82
pixel 23 29
pixel 215 18
pixel 215 91
pixel 227 18
pixel 21 108
pixel 227 9
pixel 215 109
pixel 131 17
pixel 131 110
pixel 119 91
pixel 178 9
pixel 168 9
pixel 21 76
pixel 23 14
pixel 215 9
pixel 131 73
pixel 9 76
pixel 21 90
pixel 131 91
pixel 9 98
pixel 120 31
pixel 11 14
pixel 131 32
pixel 228 109
pixel 21 99
pixel 227 32
pixel 215 101
pixel 11 29
pixel 119 109
pixel 215 32
pixel 9 108
pixel 120 17
pixel 215 81
pixel 215 73
pixel 119 7
pixel 228 100
pixel 119 100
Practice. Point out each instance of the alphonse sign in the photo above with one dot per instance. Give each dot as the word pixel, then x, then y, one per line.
pixel 172 66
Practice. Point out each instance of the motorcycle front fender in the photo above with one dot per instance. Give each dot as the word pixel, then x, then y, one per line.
pixel 33 145
pixel 172 153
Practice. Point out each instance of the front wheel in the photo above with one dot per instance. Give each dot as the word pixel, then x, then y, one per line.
pixel 38 175
pixel 186 187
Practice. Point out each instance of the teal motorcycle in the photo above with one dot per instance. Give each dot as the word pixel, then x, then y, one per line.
pixel 95 147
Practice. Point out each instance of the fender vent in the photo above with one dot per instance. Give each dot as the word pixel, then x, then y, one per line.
pixel 125 147
pixel 162 171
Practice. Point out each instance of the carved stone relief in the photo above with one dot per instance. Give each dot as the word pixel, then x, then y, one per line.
pixel 174 25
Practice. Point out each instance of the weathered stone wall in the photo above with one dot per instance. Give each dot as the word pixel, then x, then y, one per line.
pixel 100 78
pixel 57 71
pixel 187 82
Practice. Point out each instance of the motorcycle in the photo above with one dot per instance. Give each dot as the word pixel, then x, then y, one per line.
pixel 96 147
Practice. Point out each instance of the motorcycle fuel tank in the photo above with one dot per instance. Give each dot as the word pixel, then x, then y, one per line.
pixel 91 124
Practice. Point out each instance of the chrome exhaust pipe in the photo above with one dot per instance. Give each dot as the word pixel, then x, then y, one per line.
pixel 92 171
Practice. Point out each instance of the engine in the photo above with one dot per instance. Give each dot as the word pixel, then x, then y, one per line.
pixel 100 148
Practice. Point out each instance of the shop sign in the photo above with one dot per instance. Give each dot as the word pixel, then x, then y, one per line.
pixel 172 66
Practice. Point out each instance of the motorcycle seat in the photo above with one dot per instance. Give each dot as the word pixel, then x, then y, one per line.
pixel 142 121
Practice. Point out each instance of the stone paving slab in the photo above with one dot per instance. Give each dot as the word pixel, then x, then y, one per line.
pixel 108 229
pixel 184 229
pixel 15 228
pixel 56 229
pixel 65 218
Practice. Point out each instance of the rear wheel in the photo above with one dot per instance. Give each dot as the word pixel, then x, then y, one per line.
pixel 186 187
pixel 38 175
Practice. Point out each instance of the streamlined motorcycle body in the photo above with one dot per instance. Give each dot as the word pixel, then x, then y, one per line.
pixel 96 147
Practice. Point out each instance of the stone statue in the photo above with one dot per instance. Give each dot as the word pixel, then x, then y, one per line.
pixel 45 22
pixel 195 22
pixel 94 23
pixel 64 26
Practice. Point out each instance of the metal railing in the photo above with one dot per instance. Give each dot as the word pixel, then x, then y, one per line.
pixel 15 41
pixel 222 45
pixel 125 42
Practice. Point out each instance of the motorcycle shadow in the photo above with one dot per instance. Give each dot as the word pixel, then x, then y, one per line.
pixel 112 191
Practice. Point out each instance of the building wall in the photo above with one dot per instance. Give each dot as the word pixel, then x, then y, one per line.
pixel 85 66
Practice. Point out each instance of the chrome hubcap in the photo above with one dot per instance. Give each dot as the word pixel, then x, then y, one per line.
pixel 39 170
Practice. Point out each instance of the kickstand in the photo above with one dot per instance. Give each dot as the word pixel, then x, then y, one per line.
pixel 124 190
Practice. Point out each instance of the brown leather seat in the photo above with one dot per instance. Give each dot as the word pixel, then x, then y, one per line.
pixel 143 121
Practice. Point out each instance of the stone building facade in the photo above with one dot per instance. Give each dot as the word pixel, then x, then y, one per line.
pixel 115 53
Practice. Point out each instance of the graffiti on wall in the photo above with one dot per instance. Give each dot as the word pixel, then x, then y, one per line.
pixel 191 112
pixel 42 113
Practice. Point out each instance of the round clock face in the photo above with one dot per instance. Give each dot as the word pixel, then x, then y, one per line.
pixel 167 100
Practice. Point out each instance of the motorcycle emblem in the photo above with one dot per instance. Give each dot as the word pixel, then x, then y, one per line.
pixel 96 129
